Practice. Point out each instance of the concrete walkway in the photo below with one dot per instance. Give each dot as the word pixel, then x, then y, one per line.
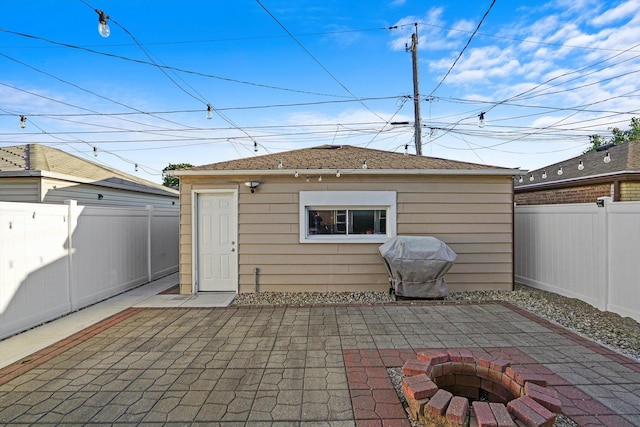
pixel 185 364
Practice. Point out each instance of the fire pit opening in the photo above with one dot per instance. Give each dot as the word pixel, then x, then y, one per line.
pixel 448 383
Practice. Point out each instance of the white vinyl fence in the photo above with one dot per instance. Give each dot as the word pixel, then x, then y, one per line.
pixel 582 251
pixel 55 259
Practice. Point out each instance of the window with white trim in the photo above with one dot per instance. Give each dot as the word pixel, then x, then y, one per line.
pixel 347 216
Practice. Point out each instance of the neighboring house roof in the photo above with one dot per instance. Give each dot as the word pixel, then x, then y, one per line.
pixel 624 160
pixel 41 160
pixel 345 158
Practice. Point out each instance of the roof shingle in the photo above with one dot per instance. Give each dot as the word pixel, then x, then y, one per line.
pixel 37 157
pixel 341 157
pixel 624 158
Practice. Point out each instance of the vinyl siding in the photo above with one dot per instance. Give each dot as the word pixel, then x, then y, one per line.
pixel 46 190
pixel 57 191
pixel 472 214
pixel 25 190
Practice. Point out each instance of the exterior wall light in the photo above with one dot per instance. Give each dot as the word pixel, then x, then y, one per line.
pixel 252 185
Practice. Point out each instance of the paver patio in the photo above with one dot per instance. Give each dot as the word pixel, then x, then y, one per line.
pixel 317 365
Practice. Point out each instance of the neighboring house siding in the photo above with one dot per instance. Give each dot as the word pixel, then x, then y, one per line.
pixel 473 215
pixel 19 190
pixel 578 194
pixel 57 191
pixel 629 191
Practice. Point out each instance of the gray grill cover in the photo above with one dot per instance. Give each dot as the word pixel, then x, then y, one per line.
pixel 417 265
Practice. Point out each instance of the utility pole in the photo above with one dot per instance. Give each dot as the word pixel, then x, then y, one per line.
pixel 416 92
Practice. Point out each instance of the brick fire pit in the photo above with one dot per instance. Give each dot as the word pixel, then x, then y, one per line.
pixel 440 383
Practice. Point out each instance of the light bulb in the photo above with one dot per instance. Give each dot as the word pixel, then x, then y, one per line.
pixel 531 178
pixel 136 167
pixel 280 164
pixel 580 165
pixel 607 158
pixel 255 147
pixel 520 180
pixel 364 165
pixel 481 119
pixel 307 179
pixel 338 174
pixel 544 174
pixel 406 149
pixel 23 122
pixel 95 151
pixel 560 170
pixel 103 25
pixel 296 174
pixel 320 178
pixel 209 111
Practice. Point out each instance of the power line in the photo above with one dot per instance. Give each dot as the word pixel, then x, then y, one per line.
pixel 463 49
pixel 314 58
pixel 182 70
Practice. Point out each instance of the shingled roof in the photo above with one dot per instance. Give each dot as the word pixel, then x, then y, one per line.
pixel 37 159
pixel 624 159
pixel 341 157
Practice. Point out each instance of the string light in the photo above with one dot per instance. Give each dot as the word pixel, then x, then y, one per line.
pixel 280 164
pixel 136 167
pixel 406 149
pixel 307 178
pixel 364 165
pixel 209 111
pixel 607 157
pixel 580 165
pixel 103 25
pixel 296 174
pixel 544 174
pixel 520 180
pixel 481 119
pixel 255 147
pixel 531 178
pixel 23 122
pixel 320 178
pixel 338 174
pixel 95 151
pixel 560 170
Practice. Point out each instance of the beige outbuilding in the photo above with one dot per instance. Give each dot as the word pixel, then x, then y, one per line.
pixel 313 219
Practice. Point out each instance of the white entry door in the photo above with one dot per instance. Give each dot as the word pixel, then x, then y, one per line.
pixel 216 247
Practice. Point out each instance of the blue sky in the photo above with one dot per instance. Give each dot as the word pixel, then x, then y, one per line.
pixel 284 75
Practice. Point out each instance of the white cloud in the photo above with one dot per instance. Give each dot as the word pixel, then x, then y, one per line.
pixel 432 36
pixel 623 11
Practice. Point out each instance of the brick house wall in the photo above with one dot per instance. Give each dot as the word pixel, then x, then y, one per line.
pixel 630 191
pixel 579 194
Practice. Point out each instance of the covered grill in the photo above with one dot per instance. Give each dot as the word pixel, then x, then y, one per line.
pixel 417 265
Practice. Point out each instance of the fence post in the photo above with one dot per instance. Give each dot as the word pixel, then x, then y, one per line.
pixel 72 220
pixel 149 248
pixel 603 249
pixel 603 204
